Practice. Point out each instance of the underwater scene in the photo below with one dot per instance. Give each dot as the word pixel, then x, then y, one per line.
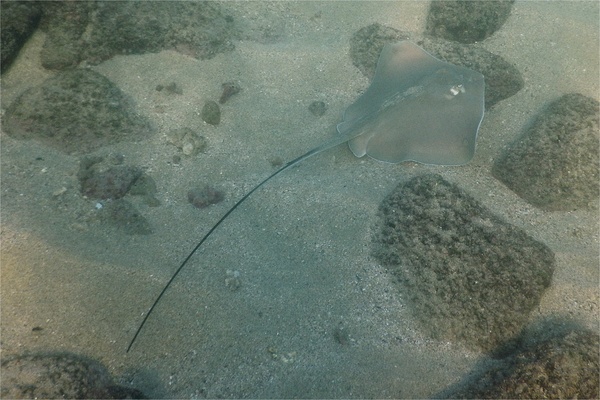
pixel 300 199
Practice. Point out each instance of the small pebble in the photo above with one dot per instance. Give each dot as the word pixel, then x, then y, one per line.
pixel 202 197
pixel 112 183
pixel 188 140
pixel 211 113
pixel 318 108
pixel 276 161
pixel 340 334
pixel 233 280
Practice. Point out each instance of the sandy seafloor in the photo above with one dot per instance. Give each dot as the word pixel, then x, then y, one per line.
pixel 301 244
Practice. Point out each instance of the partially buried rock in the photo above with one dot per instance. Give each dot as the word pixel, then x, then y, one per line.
pixel 95 31
pixel 554 165
pixel 366 45
pixel 468 276
pixel 124 216
pixel 59 375
pixel 467 21
pixel 145 186
pixel 202 197
pixel 211 113
pixel 549 363
pixel 99 182
pixel 75 111
pixel 317 108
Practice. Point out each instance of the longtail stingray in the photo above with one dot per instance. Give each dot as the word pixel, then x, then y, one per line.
pixel 417 108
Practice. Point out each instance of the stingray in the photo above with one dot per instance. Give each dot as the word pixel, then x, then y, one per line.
pixel 417 108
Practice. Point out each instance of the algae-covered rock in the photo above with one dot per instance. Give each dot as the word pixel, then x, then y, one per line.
pixel 96 31
pixel 204 196
pixel 467 275
pixel 466 21
pixel 59 376
pixel 555 164
pixel 18 20
pixel 76 111
pixel 550 362
pixel 109 183
pixel 65 23
pixel 123 215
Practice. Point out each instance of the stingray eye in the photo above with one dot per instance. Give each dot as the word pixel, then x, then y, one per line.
pixel 456 89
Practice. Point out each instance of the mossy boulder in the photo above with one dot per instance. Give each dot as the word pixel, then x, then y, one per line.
pixel 466 274
pixel 555 163
pixel 76 111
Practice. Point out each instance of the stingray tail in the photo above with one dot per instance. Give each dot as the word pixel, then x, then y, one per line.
pixel 327 145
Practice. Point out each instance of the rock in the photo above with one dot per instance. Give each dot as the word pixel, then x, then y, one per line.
pixel 467 275
pixel 502 79
pixel 211 113
pixel 65 23
pixel 188 141
pixel 554 165
pixel 202 197
pixel 550 363
pixel 366 45
pixel 466 21
pixel 59 375
pixel 111 183
pixel 18 20
pixel 99 30
pixel 145 186
pixel 317 108
pixel 76 111
pixel 124 216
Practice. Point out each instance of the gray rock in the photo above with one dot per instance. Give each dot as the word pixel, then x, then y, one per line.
pixel 554 165
pixel 467 275
pixel 211 113
pixel 317 108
